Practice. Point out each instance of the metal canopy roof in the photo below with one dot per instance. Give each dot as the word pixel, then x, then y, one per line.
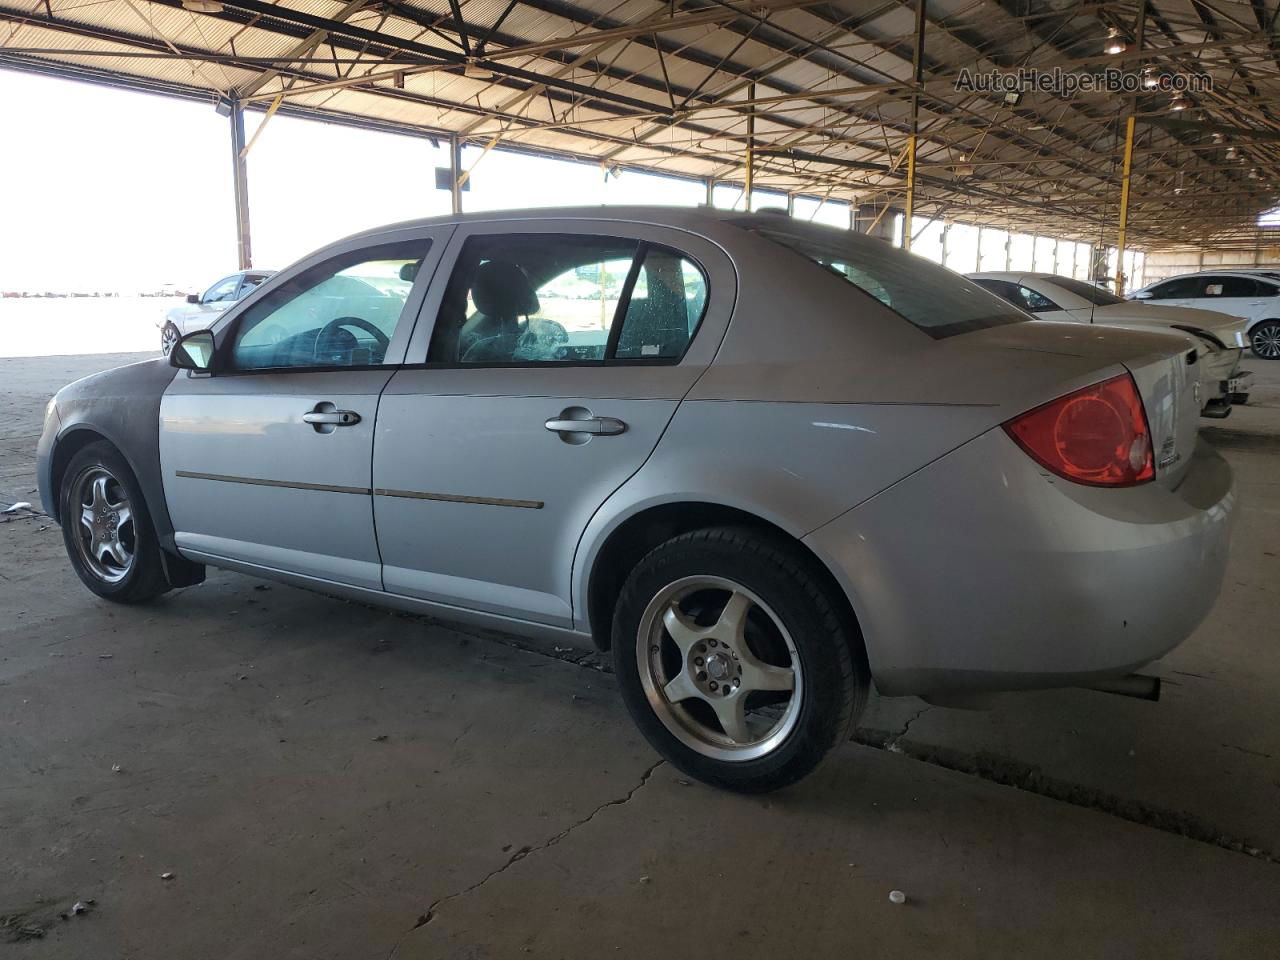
pixel 822 92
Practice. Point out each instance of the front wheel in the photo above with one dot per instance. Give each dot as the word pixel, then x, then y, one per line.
pixel 734 659
pixel 169 337
pixel 1265 339
pixel 107 529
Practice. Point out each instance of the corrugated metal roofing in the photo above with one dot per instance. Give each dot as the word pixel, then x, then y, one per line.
pixel 660 85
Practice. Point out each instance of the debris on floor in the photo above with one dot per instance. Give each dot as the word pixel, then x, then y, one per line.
pixel 14 508
pixel 897 896
pixel 167 875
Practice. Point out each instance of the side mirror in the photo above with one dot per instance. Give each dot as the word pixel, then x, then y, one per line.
pixel 193 352
pixel 193 298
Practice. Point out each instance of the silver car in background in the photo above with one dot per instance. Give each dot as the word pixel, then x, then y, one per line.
pixel 1220 338
pixel 203 309
pixel 764 463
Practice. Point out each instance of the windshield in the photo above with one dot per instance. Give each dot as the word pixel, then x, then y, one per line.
pixel 930 297
pixel 1087 291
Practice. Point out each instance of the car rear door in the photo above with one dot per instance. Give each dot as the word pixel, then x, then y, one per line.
pixel 558 354
pixel 266 462
pixel 1234 296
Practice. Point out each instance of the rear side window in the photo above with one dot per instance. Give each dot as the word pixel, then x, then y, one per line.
pixel 567 298
pixel 936 300
pixel 1229 287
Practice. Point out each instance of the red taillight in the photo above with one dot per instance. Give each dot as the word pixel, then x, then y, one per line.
pixel 1097 435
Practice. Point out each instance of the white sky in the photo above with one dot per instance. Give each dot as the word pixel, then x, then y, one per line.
pixel 117 191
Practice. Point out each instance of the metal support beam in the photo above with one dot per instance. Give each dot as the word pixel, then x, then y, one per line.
pixel 917 75
pixel 751 143
pixel 455 173
pixel 1124 204
pixel 711 192
pixel 240 181
pixel 1127 170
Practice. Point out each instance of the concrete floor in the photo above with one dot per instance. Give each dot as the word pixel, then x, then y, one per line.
pixel 325 780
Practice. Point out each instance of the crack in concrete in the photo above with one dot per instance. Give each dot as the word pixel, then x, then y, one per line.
pixel 892 743
pixel 1024 776
pixel 523 853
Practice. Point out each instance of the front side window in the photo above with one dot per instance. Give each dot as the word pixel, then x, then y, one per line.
pixel 1176 289
pixel 929 297
pixel 568 298
pixel 222 291
pixel 340 313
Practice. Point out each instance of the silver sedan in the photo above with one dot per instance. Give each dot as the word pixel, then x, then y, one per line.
pixel 762 462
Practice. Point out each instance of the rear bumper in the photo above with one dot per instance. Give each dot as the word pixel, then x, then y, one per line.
pixel 982 572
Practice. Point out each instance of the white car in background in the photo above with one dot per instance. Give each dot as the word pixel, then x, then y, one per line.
pixel 1219 339
pixel 201 310
pixel 1252 294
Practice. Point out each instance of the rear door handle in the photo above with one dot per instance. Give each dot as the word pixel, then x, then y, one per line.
pixel 339 418
pixel 601 426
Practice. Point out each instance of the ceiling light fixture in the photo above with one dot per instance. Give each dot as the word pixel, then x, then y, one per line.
pixel 1115 43
pixel 1180 102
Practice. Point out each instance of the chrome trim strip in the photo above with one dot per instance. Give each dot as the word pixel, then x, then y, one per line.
pixel 257 482
pixel 365 491
pixel 457 498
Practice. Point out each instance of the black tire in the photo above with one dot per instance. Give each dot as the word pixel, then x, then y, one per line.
pixel 144 578
pixel 169 335
pixel 1265 340
pixel 798 595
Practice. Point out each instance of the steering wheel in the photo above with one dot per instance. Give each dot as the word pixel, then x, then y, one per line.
pixel 326 336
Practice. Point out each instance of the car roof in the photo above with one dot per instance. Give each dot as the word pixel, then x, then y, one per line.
pixel 1226 271
pixel 689 218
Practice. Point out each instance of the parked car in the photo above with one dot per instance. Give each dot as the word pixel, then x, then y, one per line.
pixel 1252 295
pixel 791 461
pixel 1219 338
pixel 202 309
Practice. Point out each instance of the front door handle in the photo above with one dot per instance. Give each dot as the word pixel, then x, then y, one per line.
pixel 600 426
pixel 337 418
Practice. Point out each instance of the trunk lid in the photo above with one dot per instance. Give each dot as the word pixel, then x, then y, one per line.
pixel 1171 394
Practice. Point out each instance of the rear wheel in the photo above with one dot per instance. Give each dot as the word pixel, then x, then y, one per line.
pixel 1265 339
pixel 734 660
pixel 106 527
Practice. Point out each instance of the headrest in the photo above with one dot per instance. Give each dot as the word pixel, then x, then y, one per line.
pixel 410 270
pixel 502 289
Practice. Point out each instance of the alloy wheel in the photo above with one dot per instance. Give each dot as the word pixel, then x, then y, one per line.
pixel 1266 341
pixel 719 668
pixel 105 533
pixel 168 338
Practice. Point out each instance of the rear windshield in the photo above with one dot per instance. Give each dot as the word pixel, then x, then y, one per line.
pixel 938 301
pixel 1086 291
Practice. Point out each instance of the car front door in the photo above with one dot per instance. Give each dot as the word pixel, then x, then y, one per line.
pixel 266 462
pixel 1178 292
pixel 558 355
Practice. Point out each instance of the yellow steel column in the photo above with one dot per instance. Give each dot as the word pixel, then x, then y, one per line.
pixel 917 76
pixel 1124 203
pixel 751 142
pixel 911 192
